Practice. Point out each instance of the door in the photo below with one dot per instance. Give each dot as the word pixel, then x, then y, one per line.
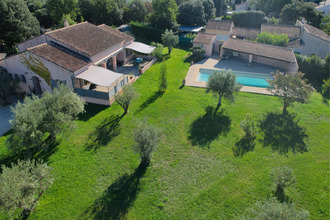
pixel 36 85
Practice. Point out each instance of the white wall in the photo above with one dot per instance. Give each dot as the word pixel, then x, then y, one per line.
pixel 313 45
pixel 31 43
pixel 14 66
pixel 207 47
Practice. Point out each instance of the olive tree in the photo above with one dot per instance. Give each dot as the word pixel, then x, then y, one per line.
pixel 273 209
pixel 290 88
pixel 22 184
pixel 249 125
pixel 170 40
pixel 282 178
pixel 146 139
pixel 223 84
pixel 36 117
pixel 126 98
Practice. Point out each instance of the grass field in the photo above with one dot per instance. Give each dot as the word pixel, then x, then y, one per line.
pixel 194 173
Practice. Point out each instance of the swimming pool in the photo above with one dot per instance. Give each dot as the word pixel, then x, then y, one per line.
pixel 245 78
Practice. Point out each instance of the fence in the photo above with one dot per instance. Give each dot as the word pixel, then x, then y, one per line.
pixel 147 31
pixel 148 65
pixel 185 41
pixel 92 94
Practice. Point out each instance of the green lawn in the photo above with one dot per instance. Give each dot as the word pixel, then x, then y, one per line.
pixel 194 173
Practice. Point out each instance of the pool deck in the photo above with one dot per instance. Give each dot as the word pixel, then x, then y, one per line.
pixel 234 64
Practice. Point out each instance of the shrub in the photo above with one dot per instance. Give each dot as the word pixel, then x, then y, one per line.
pixel 249 125
pixel 273 39
pixel 158 52
pixel 249 19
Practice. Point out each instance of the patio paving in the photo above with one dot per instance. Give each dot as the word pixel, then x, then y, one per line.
pixel 129 68
pixel 233 64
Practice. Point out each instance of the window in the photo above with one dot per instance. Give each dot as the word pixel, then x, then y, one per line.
pixel 122 83
pixel 201 45
pixel 23 79
pixel 115 88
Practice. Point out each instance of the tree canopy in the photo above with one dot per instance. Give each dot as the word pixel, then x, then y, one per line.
pixel 125 99
pixel 290 88
pixel 164 13
pixel 191 13
pixel 49 115
pixel 17 24
pixel 22 184
pixel 303 9
pixel 137 11
pixel 273 39
pixel 170 40
pixel 270 6
pixel 58 8
pixel 223 84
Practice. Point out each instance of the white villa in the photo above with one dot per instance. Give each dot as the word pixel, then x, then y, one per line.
pixel 84 57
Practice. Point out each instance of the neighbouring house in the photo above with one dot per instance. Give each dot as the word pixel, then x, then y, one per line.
pixel 222 31
pixel 324 7
pixel 244 33
pixel 313 41
pixel 85 57
pixel 249 51
pixel 206 42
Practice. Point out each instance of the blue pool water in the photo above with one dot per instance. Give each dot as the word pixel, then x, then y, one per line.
pixel 245 78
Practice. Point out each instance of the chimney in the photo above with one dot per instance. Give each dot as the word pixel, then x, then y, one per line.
pixel 66 23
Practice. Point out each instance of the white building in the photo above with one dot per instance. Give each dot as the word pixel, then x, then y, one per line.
pixel 74 55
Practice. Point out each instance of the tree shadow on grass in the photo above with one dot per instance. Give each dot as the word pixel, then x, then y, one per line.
pixel 280 195
pixel 117 199
pixel 151 99
pixel 246 144
pixel 282 133
pixel 104 133
pixel 38 153
pixel 208 127
pixel 91 111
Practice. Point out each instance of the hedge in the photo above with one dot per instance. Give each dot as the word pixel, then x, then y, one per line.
pixel 249 19
pixel 147 31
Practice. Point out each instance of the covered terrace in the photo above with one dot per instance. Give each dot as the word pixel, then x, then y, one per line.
pixel 99 85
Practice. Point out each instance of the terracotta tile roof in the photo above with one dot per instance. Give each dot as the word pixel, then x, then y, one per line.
pixel 219 25
pixel 291 31
pixel 316 32
pixel 244 32
pixel 294 43
pixel 259 49
pixel 204 38
pixel 60 56
pixel 117 33
pixel 86 38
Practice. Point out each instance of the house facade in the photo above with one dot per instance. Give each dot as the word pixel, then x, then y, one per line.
pixel 314 41
pixel 74 55
pixel 206 42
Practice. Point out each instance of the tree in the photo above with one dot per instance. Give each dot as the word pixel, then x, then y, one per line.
pixel 282 178
pixel 158 51
pixel 137 11
pixel 209 9
pixel 273 209
pixel 164 13
pixel 223 84
pixel 108 12
pixel 270 6
pixel 325 24
pixel 170 40
pixel 273 39
pixel 22 184
pixel 163 78
pixel 249 126
pixel 58 8
pixel 191 13
pixel 326 90
pixel 249 19
pixel 126 98
pixel 290 88
pixel 17 24
pixel 221 7
pixel 303 9
pixel 146 139
pixel 8 85
pixel 51 114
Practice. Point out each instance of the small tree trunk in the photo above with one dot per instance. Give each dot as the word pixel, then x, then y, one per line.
pixel 285 109
pixel 219 102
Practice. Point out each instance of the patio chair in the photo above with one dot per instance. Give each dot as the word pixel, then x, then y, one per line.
pixel 138 60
